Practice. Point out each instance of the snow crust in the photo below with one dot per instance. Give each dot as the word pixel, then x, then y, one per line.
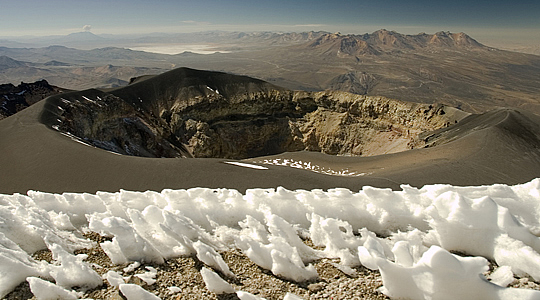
pixel 410 235
pixel 248 296
pixel 114 278
pixel 136 292
pixel 214 283
pixel 45 290
pixel 148 277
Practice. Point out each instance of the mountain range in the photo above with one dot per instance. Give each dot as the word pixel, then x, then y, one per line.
pixel 448 68
pixel 384 41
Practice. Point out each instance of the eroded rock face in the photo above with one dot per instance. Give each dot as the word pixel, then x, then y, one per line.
pixel 106 121
pixel 245 118
pixel 330 122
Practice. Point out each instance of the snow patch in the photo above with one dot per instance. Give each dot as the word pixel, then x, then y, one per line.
pixel 246 165
pixel 148 277
pixel 214 283
pixel 298 164
pixel 45 290
pixel 135 292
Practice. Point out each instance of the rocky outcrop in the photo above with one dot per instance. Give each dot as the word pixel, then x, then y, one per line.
pixel 16 98
pixel 105 121
pixel 189 113
pixel 355 82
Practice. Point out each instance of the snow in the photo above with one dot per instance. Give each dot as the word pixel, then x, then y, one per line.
pixel 114 278
pixel 241 164
pixel 247 296
pixel 214 283
pixel 45 290
pixel 16 265
pixel 72 270
pixel 290 296
pixel 209 256
pixel 410 236
pixel 174 289
pixel 148 277
pixel 502 276
pixel 307 165
pixel 135 292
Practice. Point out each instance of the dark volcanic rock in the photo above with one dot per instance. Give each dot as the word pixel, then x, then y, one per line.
pixel 16 98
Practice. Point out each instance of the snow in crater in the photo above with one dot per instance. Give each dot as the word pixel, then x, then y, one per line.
pixel 410 236
pixel 246 165
pixel 307 165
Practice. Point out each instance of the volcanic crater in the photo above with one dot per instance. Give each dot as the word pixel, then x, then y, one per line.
pixel 202 114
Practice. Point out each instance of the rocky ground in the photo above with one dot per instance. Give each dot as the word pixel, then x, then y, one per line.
pixel 183 273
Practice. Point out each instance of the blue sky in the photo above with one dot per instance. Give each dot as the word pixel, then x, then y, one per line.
pixel 52 17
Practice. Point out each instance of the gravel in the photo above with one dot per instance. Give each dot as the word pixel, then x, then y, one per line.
pixel 183 273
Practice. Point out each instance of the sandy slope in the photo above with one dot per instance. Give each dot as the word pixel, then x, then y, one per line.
pixel 500 146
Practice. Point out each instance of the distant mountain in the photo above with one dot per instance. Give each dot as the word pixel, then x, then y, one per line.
pixel 384 41
pixel 82 36
pixel 7 62
pixel 79 40
pixel 276 38
pixel 337 44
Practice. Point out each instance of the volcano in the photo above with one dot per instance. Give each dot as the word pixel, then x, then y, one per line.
pixel 191 128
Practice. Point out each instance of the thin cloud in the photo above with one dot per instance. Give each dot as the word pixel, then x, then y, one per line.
pixel 197 23
pixel 309 25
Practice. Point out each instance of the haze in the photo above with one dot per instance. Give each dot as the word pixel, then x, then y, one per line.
pixel 494 22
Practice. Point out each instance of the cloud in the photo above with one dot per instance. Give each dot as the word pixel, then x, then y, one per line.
pixel 87 27
pixel 198 23
pixel 309 25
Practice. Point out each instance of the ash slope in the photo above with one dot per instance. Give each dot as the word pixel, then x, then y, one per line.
pixel 500 146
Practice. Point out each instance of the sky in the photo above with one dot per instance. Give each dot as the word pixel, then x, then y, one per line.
pixel 59 17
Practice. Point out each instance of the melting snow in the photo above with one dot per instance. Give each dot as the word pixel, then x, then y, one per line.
pixel 214 283
pixel 407 235
pixel 148 277
pixel 246 165
pixel 135 292
pixel 45 290
pixel 298 164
